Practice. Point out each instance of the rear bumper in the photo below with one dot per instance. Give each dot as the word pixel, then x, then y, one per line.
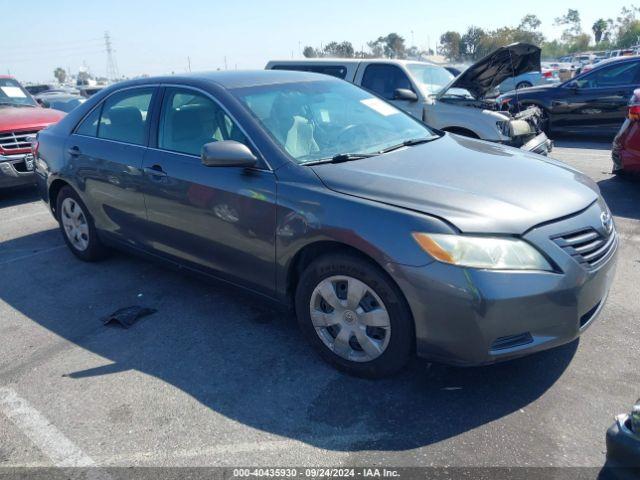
pixel 16 170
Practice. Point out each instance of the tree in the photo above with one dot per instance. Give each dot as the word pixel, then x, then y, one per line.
pixel 60 74
pixel 450 46
pixel 391 46
pixel 340 50
pixel 530 22
pixel 471 42
pixel 599 28
pixel 310 52
pixel 573 24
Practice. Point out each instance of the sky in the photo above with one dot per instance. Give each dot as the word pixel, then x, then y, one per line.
pixel 161 36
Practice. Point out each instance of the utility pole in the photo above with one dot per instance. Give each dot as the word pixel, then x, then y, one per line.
pixel 189 63
pixel 112 68
pixel 225 62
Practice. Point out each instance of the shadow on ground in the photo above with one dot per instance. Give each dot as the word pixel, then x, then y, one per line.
pixel 250 363
pixel 622 194
pixel 17 196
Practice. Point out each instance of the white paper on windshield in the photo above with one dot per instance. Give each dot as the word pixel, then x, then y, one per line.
pixel 13 92
pixel 379 106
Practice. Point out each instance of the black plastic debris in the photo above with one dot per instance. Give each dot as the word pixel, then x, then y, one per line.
pixel 128 316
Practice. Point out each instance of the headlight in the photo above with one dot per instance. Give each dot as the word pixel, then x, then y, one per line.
pixel 500 253
pixel 504 127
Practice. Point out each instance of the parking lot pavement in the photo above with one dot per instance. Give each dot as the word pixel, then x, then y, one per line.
pixel 216 378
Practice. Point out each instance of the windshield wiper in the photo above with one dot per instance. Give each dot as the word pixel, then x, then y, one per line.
pixel 342 157
pixel 409 143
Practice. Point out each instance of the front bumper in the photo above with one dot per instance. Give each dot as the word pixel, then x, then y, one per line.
pixel 467 316
pixel 540 144
pixel 16 170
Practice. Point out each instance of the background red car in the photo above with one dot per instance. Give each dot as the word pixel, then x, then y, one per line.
pixel 625 152
pixel 21 117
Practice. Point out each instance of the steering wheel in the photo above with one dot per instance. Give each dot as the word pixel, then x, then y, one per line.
pixel 359 131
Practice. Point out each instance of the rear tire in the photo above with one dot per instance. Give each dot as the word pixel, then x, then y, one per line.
pixel 523 85
pixel 77 227
pixel 361 322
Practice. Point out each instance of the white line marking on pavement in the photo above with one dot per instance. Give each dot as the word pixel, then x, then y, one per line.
pixel 24 257
pixel 51 441
pixel 242 447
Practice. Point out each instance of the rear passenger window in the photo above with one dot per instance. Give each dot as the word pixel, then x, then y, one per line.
pixel 124 116
pixel 385 79
pixel 333 70
pixel 190 119
pixel 89 125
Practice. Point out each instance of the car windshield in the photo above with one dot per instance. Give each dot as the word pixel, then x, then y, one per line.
pixel 12 93
pixel 430 77
pixel 321 119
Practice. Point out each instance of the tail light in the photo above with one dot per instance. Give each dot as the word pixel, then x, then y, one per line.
pixel 547 74
pixel 634 113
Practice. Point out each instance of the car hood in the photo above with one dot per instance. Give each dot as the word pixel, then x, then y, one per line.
pixel 477 186
pixel 489 72
pixel 26 118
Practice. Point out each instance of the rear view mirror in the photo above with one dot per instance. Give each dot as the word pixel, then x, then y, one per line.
pixel 404 94
pixel 574 85
pixel 227 153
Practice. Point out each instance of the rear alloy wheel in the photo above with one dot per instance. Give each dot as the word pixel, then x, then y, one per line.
pixel 77 227
pixel 523 85
pixel 355 316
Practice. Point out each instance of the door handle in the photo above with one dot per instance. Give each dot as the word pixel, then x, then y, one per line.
pixel 559 103
pixel 74 151
pixel 155 170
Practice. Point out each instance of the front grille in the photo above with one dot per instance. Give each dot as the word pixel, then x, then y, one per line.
pixel 10 141
pixel 588 247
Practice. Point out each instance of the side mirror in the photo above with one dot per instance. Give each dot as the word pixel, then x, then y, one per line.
pixel 227 153
pixel 42 103
pixel 404 94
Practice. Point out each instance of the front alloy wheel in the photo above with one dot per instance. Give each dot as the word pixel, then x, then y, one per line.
pixel 350 318
pixel 355 315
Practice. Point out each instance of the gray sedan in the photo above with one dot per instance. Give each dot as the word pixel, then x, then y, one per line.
pixel 388 238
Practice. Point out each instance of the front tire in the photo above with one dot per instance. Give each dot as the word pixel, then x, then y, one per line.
pixel 77 227
pixel 354 316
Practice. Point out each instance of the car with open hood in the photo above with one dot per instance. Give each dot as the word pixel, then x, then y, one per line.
pixel 431 93
pixel 386 236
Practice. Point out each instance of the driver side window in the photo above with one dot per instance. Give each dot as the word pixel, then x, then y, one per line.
pixel 613 76
pixel 191 119
pixel 385 80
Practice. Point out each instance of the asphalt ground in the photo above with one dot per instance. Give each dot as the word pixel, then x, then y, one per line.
pixel 215 377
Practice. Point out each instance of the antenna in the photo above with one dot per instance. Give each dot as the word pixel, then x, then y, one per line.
pixel 112 67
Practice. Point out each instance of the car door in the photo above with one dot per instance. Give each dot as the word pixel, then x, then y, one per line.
pixel 105 152
pixel 597 101
pixel 384 79
pixel 220 219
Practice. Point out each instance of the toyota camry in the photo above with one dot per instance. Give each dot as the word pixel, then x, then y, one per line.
pixel 388 238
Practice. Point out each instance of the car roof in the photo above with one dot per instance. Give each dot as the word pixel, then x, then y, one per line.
pixel 235 78
pixel 346 61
